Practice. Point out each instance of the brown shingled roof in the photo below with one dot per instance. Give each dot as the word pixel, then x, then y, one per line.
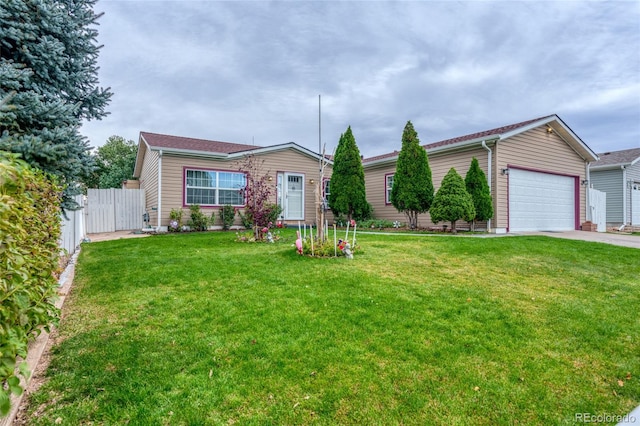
pixel 626 156
pixel 191 144
pixel 469 137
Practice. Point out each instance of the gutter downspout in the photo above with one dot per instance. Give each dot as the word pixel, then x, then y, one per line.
pixel 159 190
pixel 587 176
pixel 624 196
pixel 489 173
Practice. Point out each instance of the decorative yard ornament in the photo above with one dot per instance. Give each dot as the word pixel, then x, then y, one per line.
pixel 268 234
pixel 299 243
pixel 345 247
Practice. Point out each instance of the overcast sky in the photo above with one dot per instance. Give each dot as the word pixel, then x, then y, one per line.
pixel 251 72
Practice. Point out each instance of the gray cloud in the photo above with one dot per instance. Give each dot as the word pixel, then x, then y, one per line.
pixel 251 72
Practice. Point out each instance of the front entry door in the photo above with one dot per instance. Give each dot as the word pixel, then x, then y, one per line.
pixel 294 197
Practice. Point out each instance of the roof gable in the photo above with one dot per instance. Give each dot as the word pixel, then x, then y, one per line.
pixel 178 145
pixel 502 132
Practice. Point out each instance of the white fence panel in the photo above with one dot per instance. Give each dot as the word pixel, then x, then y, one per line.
pixel 101 210
pixel 598 208
pixel 110 210
pixel 129 209
pixel 72 232
pixel 635 205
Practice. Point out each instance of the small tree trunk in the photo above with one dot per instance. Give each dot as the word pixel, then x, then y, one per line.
pixel 410 219
pixel 453 227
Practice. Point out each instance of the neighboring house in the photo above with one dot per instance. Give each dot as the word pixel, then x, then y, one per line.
pixel 618 175
pixel 177 172
pixel 536 170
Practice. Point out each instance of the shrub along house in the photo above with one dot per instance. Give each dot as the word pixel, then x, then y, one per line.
pixel 536 170
pixel 618 175
pixel 177 172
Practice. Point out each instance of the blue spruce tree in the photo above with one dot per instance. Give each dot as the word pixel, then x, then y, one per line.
pixel 49 84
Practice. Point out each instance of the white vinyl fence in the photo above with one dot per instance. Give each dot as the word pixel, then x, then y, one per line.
pixel 110 210
pixel 635 205
pixel 73 231
pixel 598 209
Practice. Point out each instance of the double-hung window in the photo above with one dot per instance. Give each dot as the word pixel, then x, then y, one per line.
pixel 388 185
pixel 326 192
pixel 214 188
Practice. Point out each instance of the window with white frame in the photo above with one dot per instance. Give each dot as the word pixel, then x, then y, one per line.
pixel 389 186
pixel 326 192
pixel 214 188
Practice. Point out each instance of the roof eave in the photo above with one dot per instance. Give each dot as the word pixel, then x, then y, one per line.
pixel 280 147
pixel 464 144
pixel 190 152
pixel 439 149
pixel 572 139
pixel 143 146
pixel 238 154
pixel 608 167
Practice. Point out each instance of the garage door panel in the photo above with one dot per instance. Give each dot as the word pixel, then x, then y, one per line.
pixel 541 201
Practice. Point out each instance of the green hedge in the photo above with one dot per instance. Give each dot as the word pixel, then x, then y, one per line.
pixel 29 232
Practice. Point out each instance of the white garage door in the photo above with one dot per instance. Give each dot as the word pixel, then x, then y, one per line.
pixel 541 201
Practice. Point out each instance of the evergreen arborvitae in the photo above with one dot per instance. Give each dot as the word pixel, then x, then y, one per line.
pixel 348 196
pixel 48 77
pixel 412 191
pixel 452 201
pixel 476 184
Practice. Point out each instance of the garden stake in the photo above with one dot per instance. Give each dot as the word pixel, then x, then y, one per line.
pixel 355 226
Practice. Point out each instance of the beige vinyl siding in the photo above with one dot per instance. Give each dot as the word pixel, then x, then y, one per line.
pixel 375 186
pixel 287 160
pixel 440 163
pixel 149 182
pixel 538 150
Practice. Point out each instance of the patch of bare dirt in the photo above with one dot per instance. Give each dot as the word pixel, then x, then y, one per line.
pixel 38 378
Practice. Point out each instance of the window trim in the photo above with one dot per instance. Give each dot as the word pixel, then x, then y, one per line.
pixel 387 189
pixel 185 169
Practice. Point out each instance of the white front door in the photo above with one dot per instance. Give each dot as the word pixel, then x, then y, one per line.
pixel 291 195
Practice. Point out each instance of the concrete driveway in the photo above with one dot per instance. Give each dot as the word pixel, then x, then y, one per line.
pixel 625 240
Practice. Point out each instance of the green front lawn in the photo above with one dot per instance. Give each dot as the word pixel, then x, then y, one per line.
pixel 199 329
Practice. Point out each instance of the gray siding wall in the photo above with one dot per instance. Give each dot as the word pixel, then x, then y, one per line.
pixel 610 181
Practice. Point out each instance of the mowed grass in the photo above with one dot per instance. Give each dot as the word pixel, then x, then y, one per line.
pixel 198 329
